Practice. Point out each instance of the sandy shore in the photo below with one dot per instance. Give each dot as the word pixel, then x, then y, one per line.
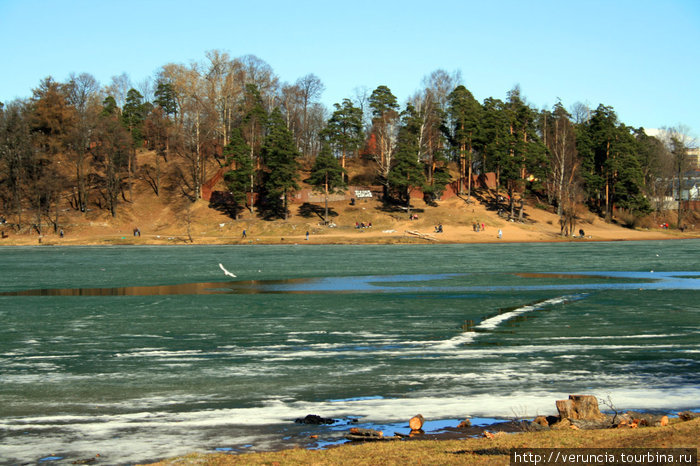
pixel 400 233
pixel 158 223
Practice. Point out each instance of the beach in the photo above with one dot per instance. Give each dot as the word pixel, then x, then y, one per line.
pixel 158 223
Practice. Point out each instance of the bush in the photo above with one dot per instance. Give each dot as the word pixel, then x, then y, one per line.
pixel 627 219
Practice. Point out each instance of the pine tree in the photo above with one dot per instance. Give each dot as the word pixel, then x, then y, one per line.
pixel 326 175
pixel 133 116
pixel 165 98
pixel 280 156
pixel 237 180
pixel 385 120
pixel 611 170
pixel 344 129
pixel 407 171
pixel 465 115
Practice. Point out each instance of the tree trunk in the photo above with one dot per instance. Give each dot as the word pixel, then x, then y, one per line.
pixel 469 174
pixel 198 164
pixel 462 168
pixel 325 217
pixel 342 164
pixel 608 210
pixel 157 174
pixel 680 196
pixel 252 172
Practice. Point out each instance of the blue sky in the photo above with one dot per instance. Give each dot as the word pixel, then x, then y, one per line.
pixel 640 57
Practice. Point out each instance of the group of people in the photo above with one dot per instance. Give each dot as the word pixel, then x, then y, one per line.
pixel 438 229
pixel 363 225
pixel 479 227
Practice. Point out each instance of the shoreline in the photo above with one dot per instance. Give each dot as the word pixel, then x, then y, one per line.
pixel 334 239
pixel 477 436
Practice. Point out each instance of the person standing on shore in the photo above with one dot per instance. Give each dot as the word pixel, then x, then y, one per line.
pixel 500 233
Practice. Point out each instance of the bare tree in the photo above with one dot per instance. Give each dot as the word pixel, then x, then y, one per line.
pixel 361 100
pixel 193 129
pixel 291 104
pixel 581 113
pixel 440 84
pixel 119 87
pixel 560 138
pixel 83 94
pixel 679 142
pixel 145 87
pixel 256 71
pixel 310 89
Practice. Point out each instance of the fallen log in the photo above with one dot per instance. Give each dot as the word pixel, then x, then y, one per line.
pixel 368 435
pixel 688 415
pixel 421 235
pixel 593 424
pixel 644 419
pixel 314 419
pixel 416 422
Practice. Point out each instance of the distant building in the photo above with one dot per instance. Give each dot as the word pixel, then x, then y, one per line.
pixel 694 158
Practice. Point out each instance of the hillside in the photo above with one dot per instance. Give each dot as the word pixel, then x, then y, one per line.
pixel 170 218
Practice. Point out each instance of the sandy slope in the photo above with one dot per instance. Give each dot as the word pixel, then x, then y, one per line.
pixel 163 221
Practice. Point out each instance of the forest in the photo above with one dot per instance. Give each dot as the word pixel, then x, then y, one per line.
pixel 74 144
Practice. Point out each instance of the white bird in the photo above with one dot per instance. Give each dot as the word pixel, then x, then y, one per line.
pixel 226 272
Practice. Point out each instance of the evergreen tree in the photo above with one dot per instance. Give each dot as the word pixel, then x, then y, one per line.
pixel 326 175
pixel 406 170
pixel 280 156
pixel 109 106
pixel 628 178
pixel 495 136
pixel 165 98
pixel 385 120
pixel 465 115
pixel 526 162
pixel 611 170
pixel 344 129
pixel 133 116
pixel 237 152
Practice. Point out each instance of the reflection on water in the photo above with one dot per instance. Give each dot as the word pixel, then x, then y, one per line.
pixel 390 283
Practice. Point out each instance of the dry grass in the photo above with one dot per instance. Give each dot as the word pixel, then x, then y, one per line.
pixel 471 451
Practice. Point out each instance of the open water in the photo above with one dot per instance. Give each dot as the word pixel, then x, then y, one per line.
pixel 140 353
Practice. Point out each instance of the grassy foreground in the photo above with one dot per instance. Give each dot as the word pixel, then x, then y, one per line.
pixel 471 451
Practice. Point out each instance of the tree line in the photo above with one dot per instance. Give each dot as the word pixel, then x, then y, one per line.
pixel 76 142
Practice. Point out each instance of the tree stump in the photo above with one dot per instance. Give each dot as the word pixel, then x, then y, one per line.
pixel 566 409
pixel 416 422
pixel 584 407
